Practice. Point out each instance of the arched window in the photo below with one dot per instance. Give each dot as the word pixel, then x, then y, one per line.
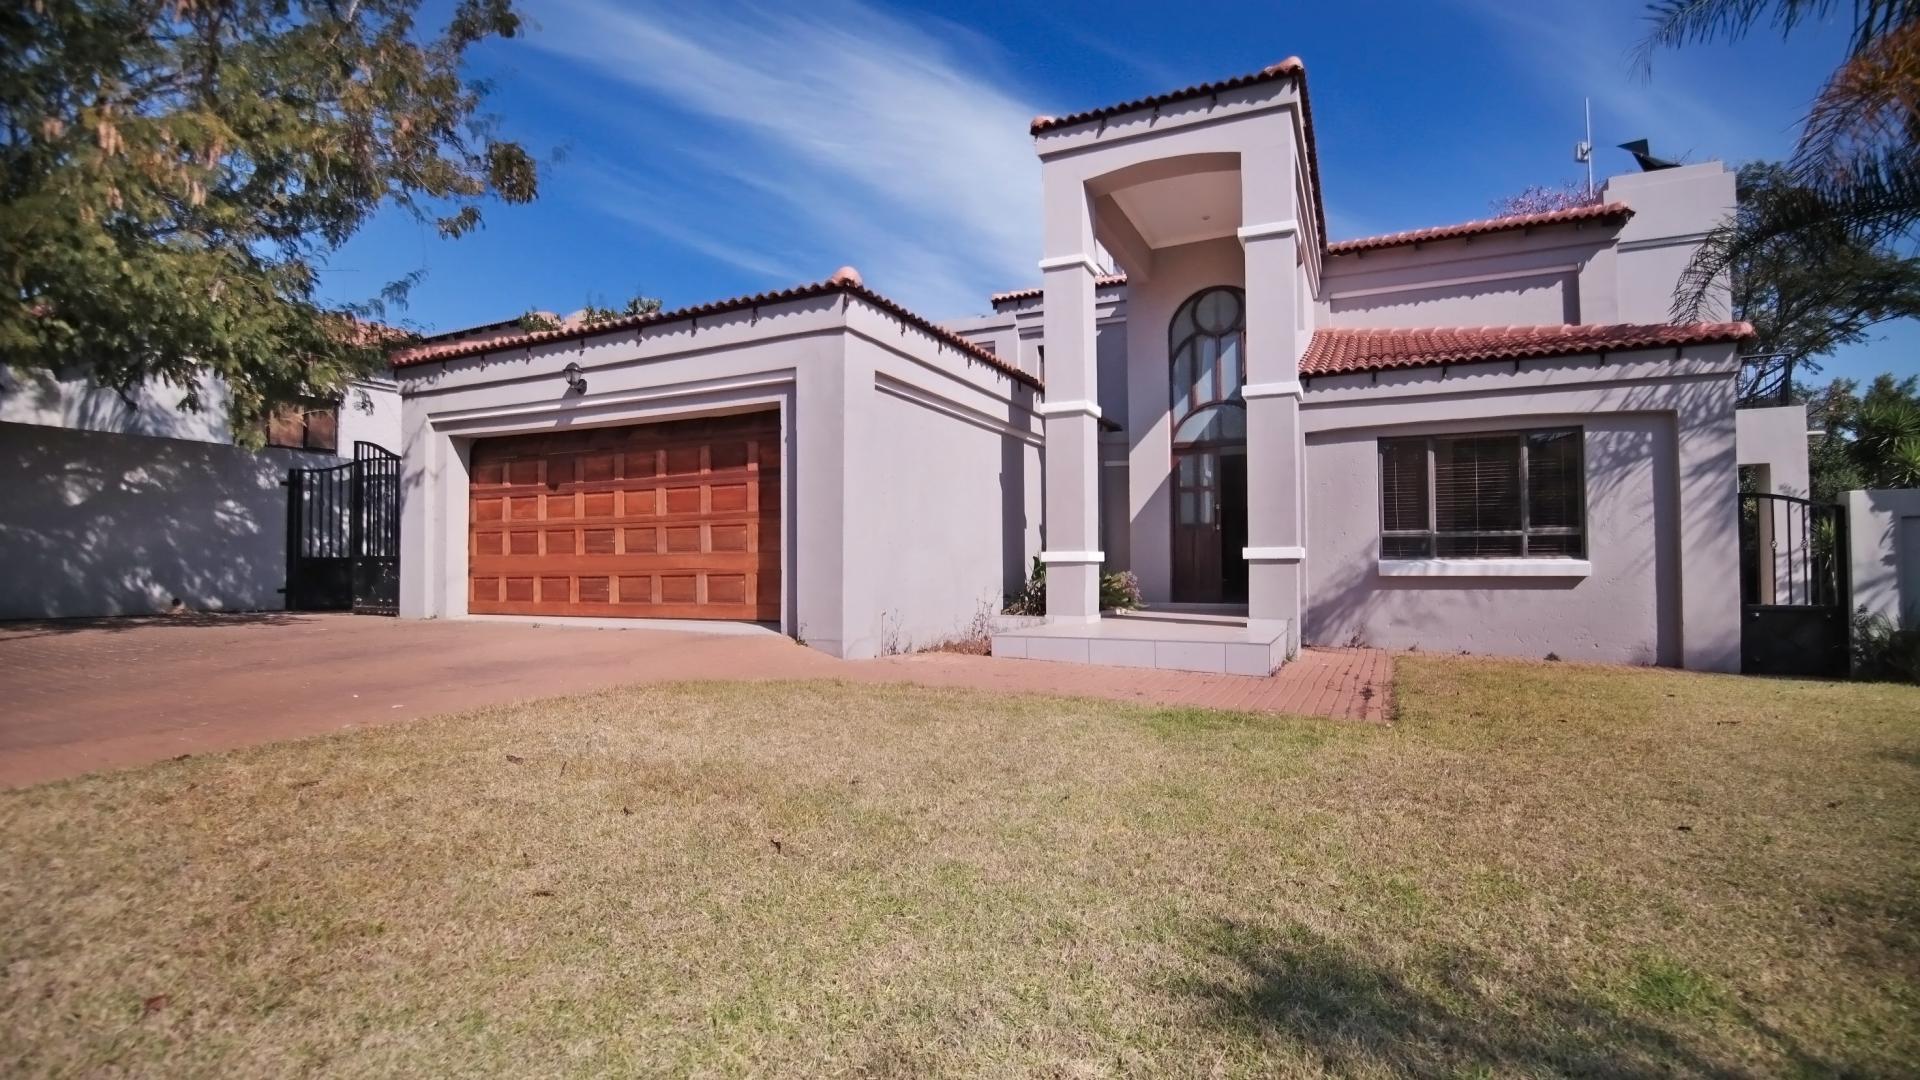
pixel 1206 347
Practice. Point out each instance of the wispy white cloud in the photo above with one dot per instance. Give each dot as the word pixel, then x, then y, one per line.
pixel 858 137
pixel 1584 50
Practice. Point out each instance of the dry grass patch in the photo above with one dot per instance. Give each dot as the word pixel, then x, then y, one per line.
pixel 1540 869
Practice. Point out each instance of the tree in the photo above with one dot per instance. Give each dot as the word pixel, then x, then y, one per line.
pixel 1540 199
pixel 1810 292
pixel 1871 440
pixel 1856 169
pixel 177 171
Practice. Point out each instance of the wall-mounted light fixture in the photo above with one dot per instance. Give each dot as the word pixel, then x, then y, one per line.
pixel 576 382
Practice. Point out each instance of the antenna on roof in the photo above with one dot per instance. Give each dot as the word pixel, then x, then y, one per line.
pixel 1583 150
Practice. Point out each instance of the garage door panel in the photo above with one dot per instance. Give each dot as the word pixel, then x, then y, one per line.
pixel 754 562
pixel 672 520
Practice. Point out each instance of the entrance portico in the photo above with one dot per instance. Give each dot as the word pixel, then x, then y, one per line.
pixel 1204 199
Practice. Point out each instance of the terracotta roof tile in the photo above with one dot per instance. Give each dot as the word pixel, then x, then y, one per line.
pixel 1104 281
pixel 1613 213
pixel 1289 68
pixel 843 281
pixel 1343 350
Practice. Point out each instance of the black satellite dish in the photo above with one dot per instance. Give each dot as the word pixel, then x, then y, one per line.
pixel 1648 163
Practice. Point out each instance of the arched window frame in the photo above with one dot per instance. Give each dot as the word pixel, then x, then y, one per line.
pixel 1206 364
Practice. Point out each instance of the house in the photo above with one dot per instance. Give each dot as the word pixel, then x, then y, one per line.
pixel 1480 437
pixel 134 504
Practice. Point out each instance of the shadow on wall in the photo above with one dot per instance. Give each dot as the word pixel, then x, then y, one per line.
pixel 96 524
pixel 1631 493
pixel 1013 517
pixel 1455 1014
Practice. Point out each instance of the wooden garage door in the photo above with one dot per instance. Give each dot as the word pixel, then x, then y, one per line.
pixel 677 520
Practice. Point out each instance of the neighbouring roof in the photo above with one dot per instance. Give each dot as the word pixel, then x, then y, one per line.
pixel 1104 281
pixel 845 282
pixel 1344 350
pixel 1612 213
pixel 469 331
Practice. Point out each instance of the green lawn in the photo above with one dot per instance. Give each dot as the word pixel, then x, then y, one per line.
pixel 1540 868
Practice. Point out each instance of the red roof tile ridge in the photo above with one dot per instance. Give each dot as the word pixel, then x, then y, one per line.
pixel 846 280
pixel 1291 67
pixel 1346 350
pixel 1502 223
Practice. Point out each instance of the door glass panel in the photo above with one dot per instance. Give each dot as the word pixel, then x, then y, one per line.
pixel 1206 351
pixel 1182 381
pixel 1230 376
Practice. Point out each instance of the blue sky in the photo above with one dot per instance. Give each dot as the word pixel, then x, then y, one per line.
pixel 697 151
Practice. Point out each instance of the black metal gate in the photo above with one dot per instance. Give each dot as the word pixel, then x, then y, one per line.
pixel 1793 586
pixel 343 534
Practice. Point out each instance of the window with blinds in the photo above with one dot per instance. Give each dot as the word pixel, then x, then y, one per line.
pixel 1483 496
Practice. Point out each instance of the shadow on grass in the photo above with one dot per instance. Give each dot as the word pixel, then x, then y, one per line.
pixel 1445 1018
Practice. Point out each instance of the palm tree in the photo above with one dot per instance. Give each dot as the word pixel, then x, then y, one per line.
pixel 1856 167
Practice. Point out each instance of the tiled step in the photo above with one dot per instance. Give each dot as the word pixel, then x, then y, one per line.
pixel 1139 643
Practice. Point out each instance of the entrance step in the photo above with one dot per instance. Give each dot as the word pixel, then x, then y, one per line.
pixel 1167 642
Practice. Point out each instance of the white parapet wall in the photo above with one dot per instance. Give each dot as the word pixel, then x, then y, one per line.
pixel 1883 529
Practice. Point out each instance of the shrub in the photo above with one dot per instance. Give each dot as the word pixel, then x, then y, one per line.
pixel 1032 597
pixel 1881 650
pixel 1119 591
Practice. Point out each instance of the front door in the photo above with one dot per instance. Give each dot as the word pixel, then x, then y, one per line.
pixel 1205 344
pixel 1210 526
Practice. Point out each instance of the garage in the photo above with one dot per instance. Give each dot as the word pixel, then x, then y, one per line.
pixel 673 520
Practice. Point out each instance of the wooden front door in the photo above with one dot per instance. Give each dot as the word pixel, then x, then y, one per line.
pixel 1210 526
pixel 676 520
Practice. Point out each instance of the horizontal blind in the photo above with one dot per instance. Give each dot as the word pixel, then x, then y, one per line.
pixel 1403 484
pixel 1555 493
pixel 1476 484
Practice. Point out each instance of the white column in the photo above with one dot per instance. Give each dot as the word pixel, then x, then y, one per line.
pixel 1072 552
pixel 1276 451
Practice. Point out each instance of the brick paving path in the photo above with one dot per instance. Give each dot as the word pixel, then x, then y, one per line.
pixel 87 695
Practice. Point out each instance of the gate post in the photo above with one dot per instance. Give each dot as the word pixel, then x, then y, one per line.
pixel 290 590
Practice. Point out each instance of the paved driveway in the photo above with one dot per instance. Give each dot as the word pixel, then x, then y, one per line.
pixel 76 696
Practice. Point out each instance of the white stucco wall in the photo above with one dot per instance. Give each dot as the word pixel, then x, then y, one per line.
pixel 894 515
pixel 370 412
pixel 951 512
pixel 1674 209
pixel 1178 273
pixel 1883 529
pixel 1499 279
pixel 93 523
pixel 1775 440
pixel 1660 485
pixel 1625 611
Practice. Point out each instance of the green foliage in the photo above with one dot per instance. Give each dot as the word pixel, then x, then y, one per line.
pixel 1834 221
pixel 1807 292
pixel 1882 650
pixel 1871 441
pixel 1118 592
pixel 1032 598
pixel 176 174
